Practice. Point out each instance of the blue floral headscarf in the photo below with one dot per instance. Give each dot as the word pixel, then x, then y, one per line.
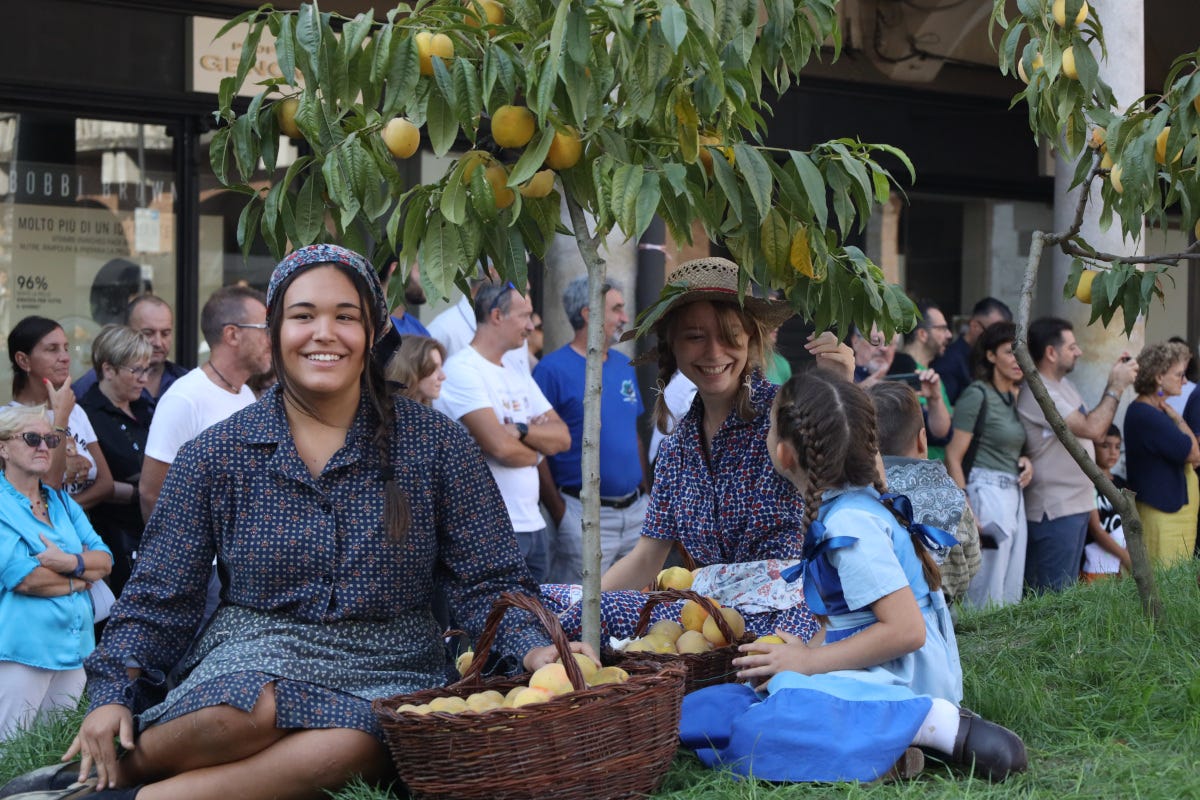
pixel 315 254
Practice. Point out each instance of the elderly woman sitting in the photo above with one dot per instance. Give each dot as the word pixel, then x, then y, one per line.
pixel 49 555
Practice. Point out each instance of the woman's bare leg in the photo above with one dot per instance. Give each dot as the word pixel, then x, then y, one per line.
pixel 204 738
pixel 299 766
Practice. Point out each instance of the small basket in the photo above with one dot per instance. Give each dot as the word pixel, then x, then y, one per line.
pixel 703 669
pixel 604 743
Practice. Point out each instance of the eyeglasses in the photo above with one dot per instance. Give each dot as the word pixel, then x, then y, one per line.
pixel 260 326
pixel 496 300
pixel 936 327
pixel 136 372
pixel 35 440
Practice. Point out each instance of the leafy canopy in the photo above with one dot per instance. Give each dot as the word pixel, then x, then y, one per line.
pixel 668 100
pixel 1125 150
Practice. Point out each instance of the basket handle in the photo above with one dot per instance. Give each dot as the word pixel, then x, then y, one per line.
pixel 507 600
pixel 689 563
pixel 671 595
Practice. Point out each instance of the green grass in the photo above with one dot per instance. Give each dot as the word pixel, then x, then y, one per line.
pixel 1108 704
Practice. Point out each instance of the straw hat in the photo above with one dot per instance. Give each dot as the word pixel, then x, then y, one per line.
pixel 713 279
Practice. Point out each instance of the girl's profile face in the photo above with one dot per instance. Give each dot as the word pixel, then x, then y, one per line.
pixel 788 469
pixel 322 338
pixel 429 388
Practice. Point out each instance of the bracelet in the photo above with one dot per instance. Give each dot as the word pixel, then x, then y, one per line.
pixel 79 567
pixel 1112 394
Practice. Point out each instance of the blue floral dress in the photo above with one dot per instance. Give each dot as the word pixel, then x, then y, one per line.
pixel 316 598
pixel 727 508
pixel 848 724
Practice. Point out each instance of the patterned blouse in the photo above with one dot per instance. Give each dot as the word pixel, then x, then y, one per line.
pixel 310 554
pixel 730 509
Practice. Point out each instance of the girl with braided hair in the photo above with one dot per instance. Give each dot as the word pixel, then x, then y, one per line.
pixel 883 674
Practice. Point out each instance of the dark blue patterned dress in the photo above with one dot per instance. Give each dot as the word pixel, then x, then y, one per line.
pixel 316 597
pixel 729 508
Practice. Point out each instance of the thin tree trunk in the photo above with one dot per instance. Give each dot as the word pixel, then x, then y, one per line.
pixel 1122 501
pixel 589 494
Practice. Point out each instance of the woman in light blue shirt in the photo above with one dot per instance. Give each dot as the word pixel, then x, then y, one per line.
pixel 49 556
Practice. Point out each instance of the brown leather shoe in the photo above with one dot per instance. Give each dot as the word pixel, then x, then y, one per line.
pixel 991 750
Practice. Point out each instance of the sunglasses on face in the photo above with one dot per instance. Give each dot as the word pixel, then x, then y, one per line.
pixel 35 440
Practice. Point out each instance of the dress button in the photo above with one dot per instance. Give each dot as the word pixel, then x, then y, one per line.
pixel 327 579
pixel 326 508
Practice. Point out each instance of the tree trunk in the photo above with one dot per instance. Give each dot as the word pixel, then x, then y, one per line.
pixel 1122 501
pixel 589 494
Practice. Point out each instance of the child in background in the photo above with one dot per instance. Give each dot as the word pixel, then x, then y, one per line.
pixel 1104 554
pixel 883 674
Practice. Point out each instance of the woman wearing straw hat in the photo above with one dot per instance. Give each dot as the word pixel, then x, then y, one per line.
pixel 715 491
pixel 334 509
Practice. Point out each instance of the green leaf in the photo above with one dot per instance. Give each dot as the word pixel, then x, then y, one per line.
pixel 647 203
pixel 532 159
pixel 814 186
pixel 309 211
pixel 674 24
pixel 244 150
pixel 454 199
pixel 404 71
pixel 248 224
pixel 442 124
pixel 249 55
pixel 218 155
pixel 547 81
pixel 775 240
pixel 757 174
pixel 308 36
pixel 578 36
pixel 729 185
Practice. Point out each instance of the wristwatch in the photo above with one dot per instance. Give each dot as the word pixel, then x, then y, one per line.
pixel 522 431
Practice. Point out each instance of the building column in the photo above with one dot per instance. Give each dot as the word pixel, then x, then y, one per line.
pixel 1124 70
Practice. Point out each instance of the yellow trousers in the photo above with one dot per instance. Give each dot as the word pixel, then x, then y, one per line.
pixel 1172 537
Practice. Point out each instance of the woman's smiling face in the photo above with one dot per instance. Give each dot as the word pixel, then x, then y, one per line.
pixel 703 354
pixel 322 337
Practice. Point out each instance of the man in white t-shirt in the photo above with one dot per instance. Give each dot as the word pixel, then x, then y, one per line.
pixel 455 327
pixel 234 324
pixel 506 413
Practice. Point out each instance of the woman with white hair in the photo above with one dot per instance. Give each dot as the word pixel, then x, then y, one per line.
pixel 49 557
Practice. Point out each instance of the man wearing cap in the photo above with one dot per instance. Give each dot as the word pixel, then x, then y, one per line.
pixel 506 413
pixel 560 375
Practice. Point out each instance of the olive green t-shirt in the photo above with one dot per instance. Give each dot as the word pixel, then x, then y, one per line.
pixel 1002 437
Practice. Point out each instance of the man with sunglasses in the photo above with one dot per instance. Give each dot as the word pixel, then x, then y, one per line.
pixel 455 327
pixel 506 413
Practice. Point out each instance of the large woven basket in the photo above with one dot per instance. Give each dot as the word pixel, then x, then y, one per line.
pixel 604 743
pixel 703 669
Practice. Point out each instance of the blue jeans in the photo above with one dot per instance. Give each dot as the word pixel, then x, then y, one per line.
pixel 535 547
pixel 1055 552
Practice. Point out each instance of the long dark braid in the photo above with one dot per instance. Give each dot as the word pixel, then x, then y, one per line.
pixel 830 423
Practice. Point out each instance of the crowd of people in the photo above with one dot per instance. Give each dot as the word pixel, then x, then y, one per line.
pixel 290 526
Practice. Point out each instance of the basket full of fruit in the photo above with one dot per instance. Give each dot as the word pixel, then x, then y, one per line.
pixel 705 639
pixel 569 731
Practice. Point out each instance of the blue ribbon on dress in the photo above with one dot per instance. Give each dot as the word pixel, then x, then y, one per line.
pixel 818 572
pixel 933 538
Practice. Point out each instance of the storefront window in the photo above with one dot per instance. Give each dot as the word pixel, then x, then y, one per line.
pixel 87 221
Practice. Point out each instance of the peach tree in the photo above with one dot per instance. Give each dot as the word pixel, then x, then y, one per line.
pixel 1138 162
pixel 614 111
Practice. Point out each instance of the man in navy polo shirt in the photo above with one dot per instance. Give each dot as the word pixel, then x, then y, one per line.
pixel 623 498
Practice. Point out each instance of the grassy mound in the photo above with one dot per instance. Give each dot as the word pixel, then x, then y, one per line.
pixel 1108 704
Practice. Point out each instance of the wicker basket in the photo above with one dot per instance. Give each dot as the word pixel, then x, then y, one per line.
pixel 703 669
pixel 612 741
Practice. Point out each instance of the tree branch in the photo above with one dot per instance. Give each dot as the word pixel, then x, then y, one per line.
pixel 1122 501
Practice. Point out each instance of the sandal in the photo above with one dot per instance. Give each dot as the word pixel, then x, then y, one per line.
pixel 989 749
pixel 55 776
